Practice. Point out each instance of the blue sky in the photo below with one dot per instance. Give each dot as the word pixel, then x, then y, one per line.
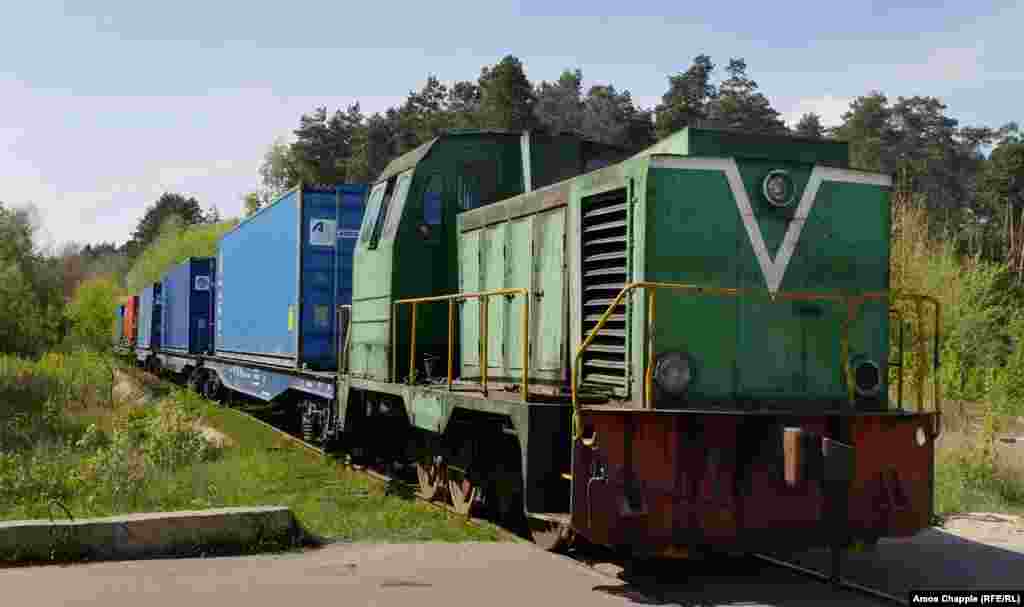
pixel 105 105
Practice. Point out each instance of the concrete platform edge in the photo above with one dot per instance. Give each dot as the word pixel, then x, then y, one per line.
pixel 221 531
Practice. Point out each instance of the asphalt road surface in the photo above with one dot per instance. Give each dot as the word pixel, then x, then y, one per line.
pixel 495 575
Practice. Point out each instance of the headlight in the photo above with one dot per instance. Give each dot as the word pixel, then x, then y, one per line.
pixel 778 188
pixel 867 378
pixel 673 373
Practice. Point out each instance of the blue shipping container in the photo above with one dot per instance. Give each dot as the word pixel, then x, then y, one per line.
pixel 351 205
pixel 149 317
pixel 263 265
pixel 188 306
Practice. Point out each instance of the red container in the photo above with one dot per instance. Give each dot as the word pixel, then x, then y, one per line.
pixel 131 315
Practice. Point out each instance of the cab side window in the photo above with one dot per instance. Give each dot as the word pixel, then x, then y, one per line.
pixel 377 212
pixel 432 208
pixel 373 207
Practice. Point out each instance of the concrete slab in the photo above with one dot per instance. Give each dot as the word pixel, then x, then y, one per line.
pixel 225 530
pixel 492 575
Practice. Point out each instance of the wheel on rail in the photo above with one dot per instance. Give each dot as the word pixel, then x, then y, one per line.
pixel 550 534
pixel 212 387
pixel 195 380
pixel 464 492
pixel 430 471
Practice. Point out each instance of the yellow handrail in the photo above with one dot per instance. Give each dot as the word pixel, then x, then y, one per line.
pixel 852 302
pixel 452 299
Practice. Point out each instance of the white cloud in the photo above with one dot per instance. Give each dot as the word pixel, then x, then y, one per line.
pixel 830 108
pixel 946 65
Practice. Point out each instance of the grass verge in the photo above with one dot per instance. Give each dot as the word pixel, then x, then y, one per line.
pixel 68 447
pixel 973 471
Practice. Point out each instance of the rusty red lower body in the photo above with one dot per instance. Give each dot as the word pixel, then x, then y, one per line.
pixel 656 482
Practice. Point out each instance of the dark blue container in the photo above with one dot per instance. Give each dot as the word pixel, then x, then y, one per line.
pixel 351 204
pixel 277 284
pixel 188 307
pixel 149 317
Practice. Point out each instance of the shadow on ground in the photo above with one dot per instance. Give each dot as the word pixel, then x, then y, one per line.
pixel 933 559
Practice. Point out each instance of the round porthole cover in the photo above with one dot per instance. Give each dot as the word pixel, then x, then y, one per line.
pixel 778 188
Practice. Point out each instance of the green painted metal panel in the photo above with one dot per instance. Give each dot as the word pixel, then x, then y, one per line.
pixel 520 257
pixel 427 410
pixel 549 320
pixel 494 248
pixel 694 236
pixel 756 347
pixel 726 144
pixel 469 273
pixel 772 345
pixel 776 148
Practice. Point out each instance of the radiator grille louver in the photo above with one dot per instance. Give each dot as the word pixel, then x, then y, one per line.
pixel 603 274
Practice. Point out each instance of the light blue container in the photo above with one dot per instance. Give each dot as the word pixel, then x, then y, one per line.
pixel 284 250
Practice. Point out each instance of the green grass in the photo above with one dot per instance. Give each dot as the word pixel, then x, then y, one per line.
pixel 965 481
pixel 104 458
pixel 331 501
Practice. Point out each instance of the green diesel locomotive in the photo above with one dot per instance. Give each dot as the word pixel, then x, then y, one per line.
pixel 678 350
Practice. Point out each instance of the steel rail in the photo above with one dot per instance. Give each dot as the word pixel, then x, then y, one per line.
pixel 824 577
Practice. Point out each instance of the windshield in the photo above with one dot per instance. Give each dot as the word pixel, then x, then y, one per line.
pixel 372 210
pixel 392 213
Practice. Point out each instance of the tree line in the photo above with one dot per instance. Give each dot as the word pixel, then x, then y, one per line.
pixel 980 199
pixel 976 200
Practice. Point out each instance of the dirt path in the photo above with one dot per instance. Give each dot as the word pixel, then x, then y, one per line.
pixel 128 390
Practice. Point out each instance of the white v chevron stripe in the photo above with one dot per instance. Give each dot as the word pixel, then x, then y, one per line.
pixel 773 270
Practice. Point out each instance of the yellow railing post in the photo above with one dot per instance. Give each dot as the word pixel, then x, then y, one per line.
pixel 482 297
pixel 919 309
pixel 451 342
pixel 392 331
pixel 412 347
pixel 649 366
pixel 484 335
pixel 525 388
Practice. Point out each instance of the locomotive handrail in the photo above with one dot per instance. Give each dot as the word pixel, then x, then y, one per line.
pixel 452 300
pixel 852 302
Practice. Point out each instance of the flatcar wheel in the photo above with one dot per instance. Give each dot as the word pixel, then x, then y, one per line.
pixel 549 535
pixel 195 380
pixel 464 494
pixel 431 475
pixel 212 387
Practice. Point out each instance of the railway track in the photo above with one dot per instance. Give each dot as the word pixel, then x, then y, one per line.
pixel 584 558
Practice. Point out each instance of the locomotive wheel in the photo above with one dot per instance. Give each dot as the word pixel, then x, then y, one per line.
pixel 431 475
pixel 465 494
pixel 550 535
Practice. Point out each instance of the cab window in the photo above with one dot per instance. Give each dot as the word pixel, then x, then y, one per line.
pixel 469 191
pixel 432 210
pixel 395 206
pixel 377 212
pixel 372 211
